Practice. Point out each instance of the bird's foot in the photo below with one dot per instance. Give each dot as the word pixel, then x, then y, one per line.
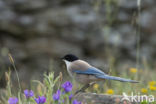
pixel 79 91
pixel 91 84
pixel 84 88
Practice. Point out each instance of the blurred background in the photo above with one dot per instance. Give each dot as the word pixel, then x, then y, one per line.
pixel 109 34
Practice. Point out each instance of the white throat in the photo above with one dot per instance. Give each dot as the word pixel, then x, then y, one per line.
pixel 68 65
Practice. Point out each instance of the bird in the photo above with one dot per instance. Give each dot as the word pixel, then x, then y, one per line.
pixel 87 74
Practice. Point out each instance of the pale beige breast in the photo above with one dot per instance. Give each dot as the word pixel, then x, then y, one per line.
pixel 79 65
pixel 85 79
pixel 82 78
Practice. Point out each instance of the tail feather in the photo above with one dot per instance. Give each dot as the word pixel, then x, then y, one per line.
pixel 116 78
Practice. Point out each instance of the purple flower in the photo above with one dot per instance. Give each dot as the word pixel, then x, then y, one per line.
pixel 28 93
pixel 56 96
pixel 40 100
pixel 67 86
pixel 76 102
pixel 70 96
pixel 13 100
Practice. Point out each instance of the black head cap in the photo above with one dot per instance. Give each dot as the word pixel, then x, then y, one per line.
pixel 70 57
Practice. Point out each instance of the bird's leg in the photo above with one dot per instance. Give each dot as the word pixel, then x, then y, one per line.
pixel 84 87
pixel 92 83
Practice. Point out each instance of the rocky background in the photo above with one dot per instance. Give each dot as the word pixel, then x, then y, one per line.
pixel 104 32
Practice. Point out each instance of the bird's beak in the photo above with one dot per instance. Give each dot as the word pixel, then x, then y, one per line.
pixel 62 59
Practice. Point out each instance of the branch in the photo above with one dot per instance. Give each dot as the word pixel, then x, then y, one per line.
pixel 92 98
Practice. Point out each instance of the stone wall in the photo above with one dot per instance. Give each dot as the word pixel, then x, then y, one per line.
pixel 37 31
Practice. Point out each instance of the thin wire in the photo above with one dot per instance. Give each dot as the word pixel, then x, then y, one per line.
pixel 138 36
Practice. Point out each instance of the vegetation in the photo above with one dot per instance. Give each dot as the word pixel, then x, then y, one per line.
pixel 54 91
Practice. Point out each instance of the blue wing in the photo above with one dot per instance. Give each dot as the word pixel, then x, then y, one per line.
pixel 116 78
pixel 91 70
pixel 99 74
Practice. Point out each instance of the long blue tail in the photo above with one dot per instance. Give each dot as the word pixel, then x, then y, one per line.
pixel 116 78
